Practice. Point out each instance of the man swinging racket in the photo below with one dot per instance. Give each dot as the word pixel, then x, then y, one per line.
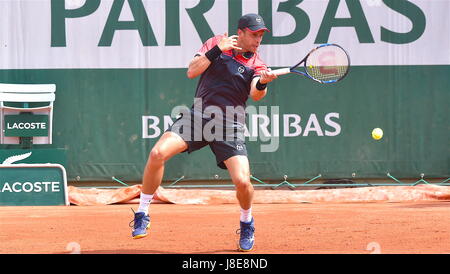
pixel 231 71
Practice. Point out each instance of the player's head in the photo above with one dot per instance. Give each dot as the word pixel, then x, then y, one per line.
pixel 251 29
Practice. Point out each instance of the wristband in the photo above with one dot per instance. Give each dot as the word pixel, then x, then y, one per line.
pixel 213 53
pixel 260 86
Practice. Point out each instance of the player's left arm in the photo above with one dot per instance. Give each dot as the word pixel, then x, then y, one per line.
pixel 259 83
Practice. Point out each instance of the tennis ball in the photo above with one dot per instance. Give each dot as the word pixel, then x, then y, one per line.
pixel 377 133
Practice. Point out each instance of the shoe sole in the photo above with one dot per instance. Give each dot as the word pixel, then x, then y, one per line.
pixel 142 235
pixel 245 250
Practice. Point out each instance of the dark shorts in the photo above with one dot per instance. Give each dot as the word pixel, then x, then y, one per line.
pixel 223 147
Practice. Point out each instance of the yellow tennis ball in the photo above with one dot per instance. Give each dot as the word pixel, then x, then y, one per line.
pixel 377 133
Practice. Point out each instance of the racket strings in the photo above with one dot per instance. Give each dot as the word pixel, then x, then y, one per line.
pixel 327 64
pixel 326 73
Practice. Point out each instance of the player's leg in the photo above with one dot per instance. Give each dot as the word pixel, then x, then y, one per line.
pixel 167 146
pixel 239 169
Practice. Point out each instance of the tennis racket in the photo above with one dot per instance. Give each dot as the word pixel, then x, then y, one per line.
pixel 327 63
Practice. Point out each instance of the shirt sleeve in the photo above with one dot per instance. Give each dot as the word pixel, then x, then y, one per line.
pixel 209 44
pixel 259 66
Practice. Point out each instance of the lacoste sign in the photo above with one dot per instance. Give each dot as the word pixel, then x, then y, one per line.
pixel 26 125
pixel 32 184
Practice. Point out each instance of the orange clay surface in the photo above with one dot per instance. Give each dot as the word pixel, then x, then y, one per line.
pixel 421 227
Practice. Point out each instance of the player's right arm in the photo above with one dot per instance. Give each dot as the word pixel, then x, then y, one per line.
pixel 198 65
pixel 210 50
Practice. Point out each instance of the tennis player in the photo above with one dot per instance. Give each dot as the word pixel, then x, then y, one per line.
pixel 231 71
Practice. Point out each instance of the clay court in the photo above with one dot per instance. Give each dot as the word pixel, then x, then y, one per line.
pixel 302 228
pixel 345 101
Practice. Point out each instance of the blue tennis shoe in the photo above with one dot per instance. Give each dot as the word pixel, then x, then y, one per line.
pixel 247 238
pixel 140 225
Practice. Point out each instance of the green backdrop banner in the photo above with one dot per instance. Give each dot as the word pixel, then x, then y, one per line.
pixel 108 119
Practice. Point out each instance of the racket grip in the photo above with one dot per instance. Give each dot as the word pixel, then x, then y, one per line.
pixel 281 71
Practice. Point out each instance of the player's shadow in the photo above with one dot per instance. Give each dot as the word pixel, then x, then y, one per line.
pixel 140 251
pixel 225 251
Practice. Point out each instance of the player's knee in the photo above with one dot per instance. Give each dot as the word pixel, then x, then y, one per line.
pixel 243 183
pixel 156 155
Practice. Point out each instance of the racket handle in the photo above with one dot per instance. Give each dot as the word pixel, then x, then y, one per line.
pixel 281 71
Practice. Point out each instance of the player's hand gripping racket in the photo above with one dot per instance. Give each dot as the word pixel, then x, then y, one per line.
pixel 328 63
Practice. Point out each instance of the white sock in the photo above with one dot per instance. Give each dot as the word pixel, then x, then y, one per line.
pixel 144 202
pixel 246 215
